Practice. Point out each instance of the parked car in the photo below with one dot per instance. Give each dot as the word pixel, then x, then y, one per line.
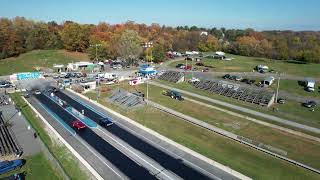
pixel 108 82
pixel 173 94
pixel 26 95
pixel 6 166
pixel 56 76
pixel 179 65
pixel 309 104
pixel 226 76
pixel 233 77
pixel 245 80
pixel 37 92
pixel 251 81
pixel 205 70
pixel 281 101
pixel 192 80
pixel 78 124
pixel 238 78
pixel 188 67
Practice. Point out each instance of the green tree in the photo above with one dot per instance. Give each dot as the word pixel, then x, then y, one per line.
pixel 75 37
pixel 158 53
pixel 129 45
pixel 101 51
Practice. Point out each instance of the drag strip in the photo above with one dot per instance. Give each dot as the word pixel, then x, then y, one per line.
pixel 122 162
pixel 175 165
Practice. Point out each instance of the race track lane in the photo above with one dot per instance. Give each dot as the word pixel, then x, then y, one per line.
pixel 175 165
pixel 122 162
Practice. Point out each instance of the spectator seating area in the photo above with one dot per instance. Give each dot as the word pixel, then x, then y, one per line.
pixel 4 100
pixel 9 146
pixel 236 91
pixel 172 76
pixel 126 99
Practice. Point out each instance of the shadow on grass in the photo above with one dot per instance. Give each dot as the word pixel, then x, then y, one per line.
pixel 295 62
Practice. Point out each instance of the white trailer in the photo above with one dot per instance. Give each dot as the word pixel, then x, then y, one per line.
pixel 310 83
pixel 110 76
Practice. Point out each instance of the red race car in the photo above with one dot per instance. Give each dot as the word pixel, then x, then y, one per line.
pixel 78 124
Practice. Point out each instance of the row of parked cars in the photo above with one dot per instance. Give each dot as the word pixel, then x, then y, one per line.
pixel 189 67
pixel 239 78
pixel 6 84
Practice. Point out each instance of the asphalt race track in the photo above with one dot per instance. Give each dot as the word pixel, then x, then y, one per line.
pixel 122 162
pixel 170 163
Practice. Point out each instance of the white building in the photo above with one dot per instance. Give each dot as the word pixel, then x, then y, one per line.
pixel 83 65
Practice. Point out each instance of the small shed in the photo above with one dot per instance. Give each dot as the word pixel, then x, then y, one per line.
pixel 268 81
pixel 310 83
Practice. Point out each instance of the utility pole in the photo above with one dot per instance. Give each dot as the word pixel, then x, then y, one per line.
pixel 96 45
pixel 277 93
pixel 146 46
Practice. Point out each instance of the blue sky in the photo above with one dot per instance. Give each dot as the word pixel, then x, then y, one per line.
pixel 257 14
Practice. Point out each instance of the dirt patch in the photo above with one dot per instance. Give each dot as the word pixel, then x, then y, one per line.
pixel 232 68
pixel 76 55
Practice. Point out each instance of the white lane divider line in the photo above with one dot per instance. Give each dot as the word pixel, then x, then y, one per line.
pixel 75 135
pixel 166 150
pixel 102 160
pixel 159 170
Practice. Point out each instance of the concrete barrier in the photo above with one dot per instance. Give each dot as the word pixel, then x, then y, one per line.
pixel 229 135
pixel 181 147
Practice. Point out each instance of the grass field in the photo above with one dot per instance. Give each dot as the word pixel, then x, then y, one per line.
pixel 276 138
pixel 291 110
pixel 61 153
pixel 293 87
pixel 38 58
pixel 245 160
pixel 246 64
pixel 37 167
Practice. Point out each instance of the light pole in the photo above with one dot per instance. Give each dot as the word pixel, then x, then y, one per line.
pixel 146 46
pixel 277 92
pixel 96 45
pixel 96 59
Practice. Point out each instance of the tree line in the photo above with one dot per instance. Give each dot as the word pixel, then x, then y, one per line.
pixel 19 35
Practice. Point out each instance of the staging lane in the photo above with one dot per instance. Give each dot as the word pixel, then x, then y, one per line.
pixel 122 162
pixel 177 166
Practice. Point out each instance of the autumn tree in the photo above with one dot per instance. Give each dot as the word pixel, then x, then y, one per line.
pixel 247 45
pixel 209 43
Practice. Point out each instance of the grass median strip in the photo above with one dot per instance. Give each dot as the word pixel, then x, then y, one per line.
pixel 290 143
pixel 240 158
pixel 290 110
pixel 65 158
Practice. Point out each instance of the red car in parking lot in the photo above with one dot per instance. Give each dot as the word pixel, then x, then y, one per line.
pixel 188 67
pixel 78 124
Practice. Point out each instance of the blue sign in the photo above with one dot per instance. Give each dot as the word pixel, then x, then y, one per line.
pixel 28 75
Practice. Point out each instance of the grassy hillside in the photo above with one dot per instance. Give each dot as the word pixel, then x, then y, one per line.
pixel 38 58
